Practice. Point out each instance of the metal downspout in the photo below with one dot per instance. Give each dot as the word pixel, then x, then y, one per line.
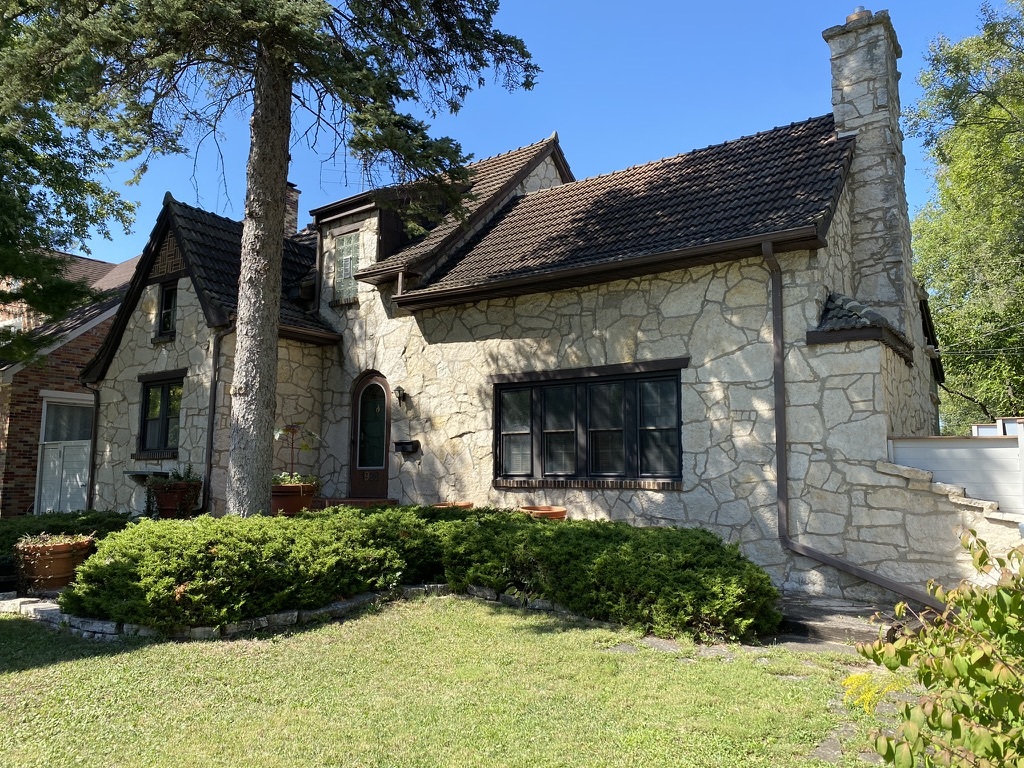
pixel 782 454
pixel 211 415
pixel 89 494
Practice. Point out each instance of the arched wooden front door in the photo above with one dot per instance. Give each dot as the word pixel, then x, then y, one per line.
pixel 371 433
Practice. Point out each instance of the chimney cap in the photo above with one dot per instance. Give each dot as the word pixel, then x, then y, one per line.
pixel 860 12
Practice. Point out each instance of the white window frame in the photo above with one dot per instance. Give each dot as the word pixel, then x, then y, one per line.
pixel 56 397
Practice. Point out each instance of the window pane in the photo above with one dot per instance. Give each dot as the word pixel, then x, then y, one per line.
pixel 515 454
pixel 606 406
pixel 560 408
pixel 659 452
pixel 515 411
pixel 67 422
pixel 151 440
pixel 560 453
pixel 346 256
pixel 658 403
pixel 168 302
pixel 154 403
pixel 607 454
pixel 372 427
pixel 173 401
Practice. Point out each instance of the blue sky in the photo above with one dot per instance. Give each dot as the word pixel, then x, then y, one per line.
pixel 623 84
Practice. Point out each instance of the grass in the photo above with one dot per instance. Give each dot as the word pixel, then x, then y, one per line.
pixel 441 681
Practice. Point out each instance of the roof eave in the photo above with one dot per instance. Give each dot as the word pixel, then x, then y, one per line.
pixel 308 335
pixel 801 238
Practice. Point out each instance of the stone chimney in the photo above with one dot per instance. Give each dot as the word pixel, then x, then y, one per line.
pixel 866 104
pixel 291 210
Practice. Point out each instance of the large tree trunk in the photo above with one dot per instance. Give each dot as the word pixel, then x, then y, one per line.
pixel 253 406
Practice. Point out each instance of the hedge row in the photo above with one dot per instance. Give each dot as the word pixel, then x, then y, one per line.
pixel 13 528
pixel 210 571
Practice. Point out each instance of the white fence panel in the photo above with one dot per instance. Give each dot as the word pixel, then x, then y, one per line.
pixel 987 467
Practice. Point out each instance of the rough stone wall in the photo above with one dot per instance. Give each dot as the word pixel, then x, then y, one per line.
pixel 119 421
pixel 865 99
pixel 840 413
pixel 300 387
pixel 21 412
pixel 300 371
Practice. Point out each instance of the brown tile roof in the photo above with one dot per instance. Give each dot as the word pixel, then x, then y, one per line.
pixel 783 179
pixel 491 180
pixel 212 245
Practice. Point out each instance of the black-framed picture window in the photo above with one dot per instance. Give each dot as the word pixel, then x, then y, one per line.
pixel 161 409
pixel 607 427
pixel 516 440
pixel 620 426
pixel 559 430
pixel 658 426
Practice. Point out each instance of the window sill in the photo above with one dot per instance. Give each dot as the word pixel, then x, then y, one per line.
pixel 162 338
pixel 155 455
pixel 589 484
pixel 345 303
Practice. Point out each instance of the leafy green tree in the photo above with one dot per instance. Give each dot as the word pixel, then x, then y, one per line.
pixel 970 659
pixel 51 198
pixel 347 70
pixel 969 241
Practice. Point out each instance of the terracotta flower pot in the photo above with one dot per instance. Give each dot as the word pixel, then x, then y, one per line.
pixel 289 500
pixel 51 566
pixel 544 511
pixel 176 499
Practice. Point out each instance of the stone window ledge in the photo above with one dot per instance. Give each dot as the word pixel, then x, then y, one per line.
pixel 162 338
pixel 344 303
pixel 503 483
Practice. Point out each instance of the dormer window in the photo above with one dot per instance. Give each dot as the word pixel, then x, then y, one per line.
pixel 346 264
pixel 168 311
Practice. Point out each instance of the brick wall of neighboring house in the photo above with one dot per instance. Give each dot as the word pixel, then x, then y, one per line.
pixel 22 407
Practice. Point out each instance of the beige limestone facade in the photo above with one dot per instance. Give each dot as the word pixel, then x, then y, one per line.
pixel 783 442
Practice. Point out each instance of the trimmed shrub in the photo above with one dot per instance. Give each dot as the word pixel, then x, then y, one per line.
pixel 91 522
pixel 213 571
pixel 669 581
pixel 209 571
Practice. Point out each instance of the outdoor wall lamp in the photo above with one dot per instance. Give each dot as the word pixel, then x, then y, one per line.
pixel 400 395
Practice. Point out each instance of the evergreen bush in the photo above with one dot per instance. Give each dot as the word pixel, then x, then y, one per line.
pixel 210 571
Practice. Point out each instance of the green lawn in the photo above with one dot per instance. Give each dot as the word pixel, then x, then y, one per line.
pixel 437 682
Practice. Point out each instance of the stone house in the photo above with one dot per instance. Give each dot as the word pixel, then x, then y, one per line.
pixel 45 412
pixel 724 339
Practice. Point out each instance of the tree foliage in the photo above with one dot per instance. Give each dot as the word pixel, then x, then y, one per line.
pixel 969 240
pixel 970 659
pixel 161 72
pixel 52 196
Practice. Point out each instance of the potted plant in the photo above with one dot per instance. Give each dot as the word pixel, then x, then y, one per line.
pixel 176 495
pixel 291 491
pixel 48 560
pixel 544 511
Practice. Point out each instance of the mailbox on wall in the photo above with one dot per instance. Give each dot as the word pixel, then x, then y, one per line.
pixel 407 446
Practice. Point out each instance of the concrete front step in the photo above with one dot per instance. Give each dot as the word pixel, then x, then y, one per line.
pixel 832 620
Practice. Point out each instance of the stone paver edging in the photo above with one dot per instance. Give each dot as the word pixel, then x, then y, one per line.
pixel 49 613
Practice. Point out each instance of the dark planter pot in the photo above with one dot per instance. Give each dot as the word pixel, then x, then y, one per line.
pixel 175 500
pixel 8 576
pixel 289 500
pixel 51 566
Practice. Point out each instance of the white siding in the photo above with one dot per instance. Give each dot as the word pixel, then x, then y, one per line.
pixel 987 467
